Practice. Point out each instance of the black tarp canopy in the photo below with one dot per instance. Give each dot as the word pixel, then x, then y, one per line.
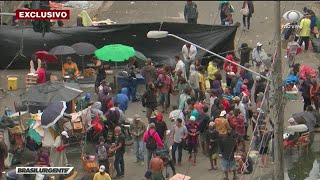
pixel 162 51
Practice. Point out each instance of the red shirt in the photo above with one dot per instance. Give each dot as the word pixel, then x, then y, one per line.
pixel 41 76
pixel 193 128
pixel 240 128
pixel 198 107
pixel 155 136
pixel 227 65
pixel 166 80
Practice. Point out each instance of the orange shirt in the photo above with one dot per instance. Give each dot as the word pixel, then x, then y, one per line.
pixel 222 125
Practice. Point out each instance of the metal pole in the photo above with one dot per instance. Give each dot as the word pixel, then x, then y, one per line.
pixel 278 100
pixel 2 4
pixel 225 59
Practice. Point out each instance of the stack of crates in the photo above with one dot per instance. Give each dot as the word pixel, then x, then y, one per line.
pixel 31 79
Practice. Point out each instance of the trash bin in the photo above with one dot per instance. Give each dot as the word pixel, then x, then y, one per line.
pixel 12 83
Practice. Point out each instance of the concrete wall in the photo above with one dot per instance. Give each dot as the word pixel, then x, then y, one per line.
pixel 9 7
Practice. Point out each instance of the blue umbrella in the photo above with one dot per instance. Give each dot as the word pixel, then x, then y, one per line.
pixel 52 113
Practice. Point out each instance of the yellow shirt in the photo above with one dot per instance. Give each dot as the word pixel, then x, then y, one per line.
pixel 201 83
pixel 305 27
pixel 222 125
pixel 211 71
pixel 98 176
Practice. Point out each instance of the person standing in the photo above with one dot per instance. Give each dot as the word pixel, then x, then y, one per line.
pixel 204 120
pixel 256 57
pixel 119 150
pixel 149 100
pixel 225 8
pixel 166 82
pixel 42 71
pixel 212 70
pixel 180 66
pixel 230 67
pixel 305 25
pixel 152 140
pixel 247 11
pixel 305 91
pixel 194 80
pixel 222 124
pixel 156 166
pixel 161 126
pixel 212 138
pixel 101 175
pixel 122 99
pixel 191 12
pixel 240 128
pixel 189 53
pixel 244 52
pixel 202 86
pixel 178 135
pixel 101 73
pixel 3 153
pixel 227 149
pixel 102 150
pixel 149 73
pixel 193 139
pixel 35 64
pixel 137 129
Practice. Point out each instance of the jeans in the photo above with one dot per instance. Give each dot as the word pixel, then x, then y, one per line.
pixel 176 146
pixel 187 65
pixel 119 164
pixel 246 21
pixel 306 102
pixel 150 153
pixel 306 42
pixel 132 87
pixel 139 145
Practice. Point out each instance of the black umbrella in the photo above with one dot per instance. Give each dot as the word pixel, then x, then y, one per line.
pixel 54 91
pixel 53 113
pixel 62 50
pixel 83 49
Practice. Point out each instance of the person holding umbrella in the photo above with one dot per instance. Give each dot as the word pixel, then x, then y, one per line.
pixel 70 68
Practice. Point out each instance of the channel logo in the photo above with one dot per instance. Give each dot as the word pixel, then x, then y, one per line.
pixel 293 16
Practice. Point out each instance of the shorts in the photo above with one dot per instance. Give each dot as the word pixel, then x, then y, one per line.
pixel 202 137
pixel 164 99
pixel 214 156
pixel 192 148
pixel 228 165
pixel 263 150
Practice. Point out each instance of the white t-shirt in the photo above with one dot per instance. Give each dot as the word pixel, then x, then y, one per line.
pixel 178 133
pixel 181 66
pixel 175 114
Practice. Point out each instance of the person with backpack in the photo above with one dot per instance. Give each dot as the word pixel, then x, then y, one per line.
pixel 179 134
pixel 225 8
pixel 152 140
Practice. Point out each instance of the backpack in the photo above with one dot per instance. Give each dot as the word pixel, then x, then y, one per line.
pixel 227 8
pixel 151 143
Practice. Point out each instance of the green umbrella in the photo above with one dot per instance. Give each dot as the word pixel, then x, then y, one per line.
pixel 115 53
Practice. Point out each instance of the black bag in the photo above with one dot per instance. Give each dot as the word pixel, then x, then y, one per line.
pixel 158 83
pixel 151 143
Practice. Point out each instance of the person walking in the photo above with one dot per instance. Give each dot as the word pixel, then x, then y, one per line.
pixel 178 135
pixel 247 11
pixel 244 52
pixel 119 139
pixel 149 73
pixel 152 140
pixel 212 70
pixel 227 149
pixel 138 128
pixel 180 66
pixel 193 139
pixel 305 29
pixel 189 53
pixel 257 53
pixel 149 100
pixel 212 138
pixel 166 84
pixel 225 8
pixel 194 80
pixel 103 149
pixel 191 12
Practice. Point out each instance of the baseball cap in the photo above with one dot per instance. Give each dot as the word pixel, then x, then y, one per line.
pixel 211 123
pixel 137 117
pixel 65 133
pixel 192 118
pixel 102 168
pixel 159 116
pixel 259 44
pixel 231 73
pixel 223 113
pixel 110 104
pixel 291 120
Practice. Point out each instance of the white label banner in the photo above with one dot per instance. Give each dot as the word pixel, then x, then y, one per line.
pixel 43 170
